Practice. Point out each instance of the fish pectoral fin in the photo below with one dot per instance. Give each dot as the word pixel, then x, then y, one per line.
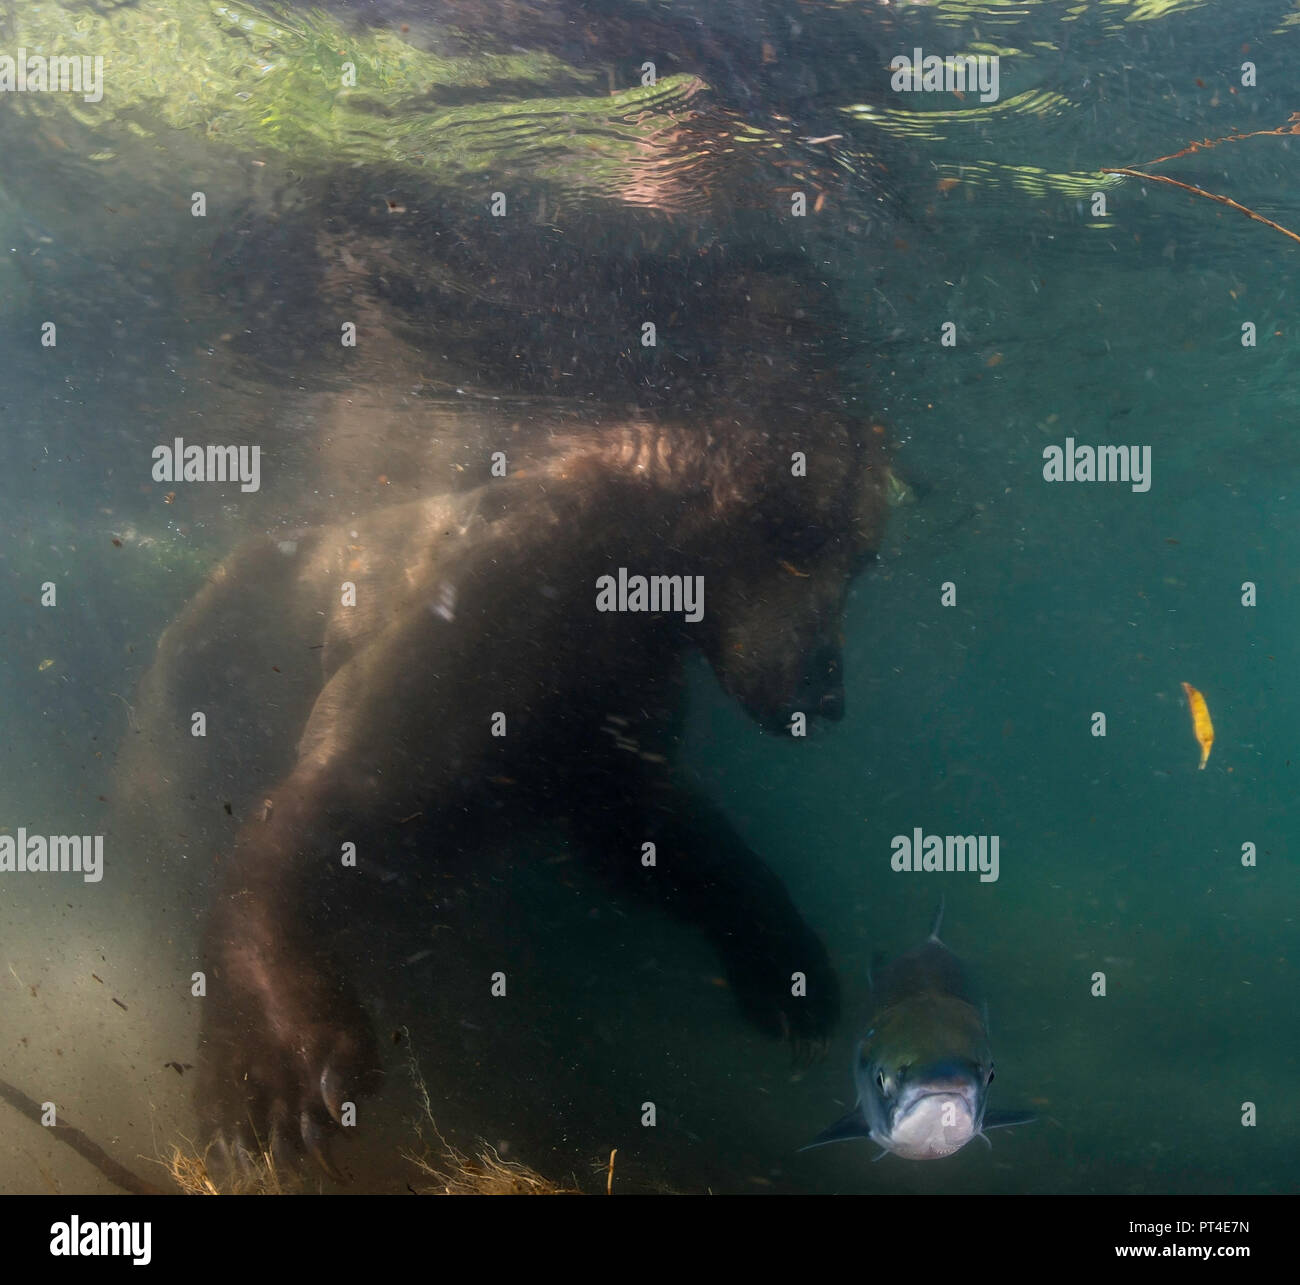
pixel 844 1129
pixel 1007 1119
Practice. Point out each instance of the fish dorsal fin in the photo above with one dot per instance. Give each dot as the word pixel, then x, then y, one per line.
pixel 938 921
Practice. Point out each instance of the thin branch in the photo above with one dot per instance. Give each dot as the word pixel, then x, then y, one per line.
pixel 1200 191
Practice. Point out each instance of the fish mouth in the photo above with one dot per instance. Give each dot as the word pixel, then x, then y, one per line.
pixel 935 1120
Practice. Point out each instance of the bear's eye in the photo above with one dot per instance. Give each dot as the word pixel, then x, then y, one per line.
pixel 806 539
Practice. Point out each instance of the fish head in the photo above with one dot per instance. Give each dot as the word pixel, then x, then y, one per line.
pixel 929 1112
pixel 923 1079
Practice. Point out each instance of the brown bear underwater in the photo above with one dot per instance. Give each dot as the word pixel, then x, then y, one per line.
pixel 475 684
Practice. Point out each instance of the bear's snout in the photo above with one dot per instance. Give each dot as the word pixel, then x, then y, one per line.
pixel 822 690
pixel 813 685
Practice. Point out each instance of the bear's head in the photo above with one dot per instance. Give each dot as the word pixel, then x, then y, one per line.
pixel 807 515
pixel 776 522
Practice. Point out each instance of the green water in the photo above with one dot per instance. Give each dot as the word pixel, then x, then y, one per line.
pixel 1118 856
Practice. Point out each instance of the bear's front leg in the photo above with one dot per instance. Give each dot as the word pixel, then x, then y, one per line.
pixel 705 873
pixel 285 1043
pixel 398 729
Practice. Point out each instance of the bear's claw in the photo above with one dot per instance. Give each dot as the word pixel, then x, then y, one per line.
pixel 285 1050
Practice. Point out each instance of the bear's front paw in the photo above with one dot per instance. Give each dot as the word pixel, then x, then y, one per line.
pixel 784 984
pixel 285 1049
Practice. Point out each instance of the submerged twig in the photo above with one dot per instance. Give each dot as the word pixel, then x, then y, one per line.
pixel 1211 196
pixel 80 1143
pixel 1292 126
